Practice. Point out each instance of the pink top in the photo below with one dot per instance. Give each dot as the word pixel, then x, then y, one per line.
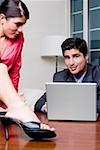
pixel 11 56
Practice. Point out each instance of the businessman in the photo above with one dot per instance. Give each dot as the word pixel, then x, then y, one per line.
pixel 75 53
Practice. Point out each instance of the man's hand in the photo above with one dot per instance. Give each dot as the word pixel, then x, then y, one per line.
pixel 44 108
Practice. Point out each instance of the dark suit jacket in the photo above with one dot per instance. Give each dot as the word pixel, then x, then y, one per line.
pixel 92 75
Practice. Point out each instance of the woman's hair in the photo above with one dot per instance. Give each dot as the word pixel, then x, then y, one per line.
pixel 14 8
pixel 75 43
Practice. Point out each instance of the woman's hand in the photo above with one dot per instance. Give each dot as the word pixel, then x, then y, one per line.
pixel 23 98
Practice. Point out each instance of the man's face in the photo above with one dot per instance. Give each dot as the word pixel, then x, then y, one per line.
pixel 75 61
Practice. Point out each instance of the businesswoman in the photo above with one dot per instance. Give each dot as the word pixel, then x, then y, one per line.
pixel 13 15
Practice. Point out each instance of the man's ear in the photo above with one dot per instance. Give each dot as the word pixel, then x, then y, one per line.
pixel 86 57
pixel 2 18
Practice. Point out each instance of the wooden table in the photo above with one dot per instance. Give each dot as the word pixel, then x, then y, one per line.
pixel 70 136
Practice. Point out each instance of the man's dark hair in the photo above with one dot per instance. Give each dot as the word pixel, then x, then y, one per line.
pixel 75 43
pixel 14 8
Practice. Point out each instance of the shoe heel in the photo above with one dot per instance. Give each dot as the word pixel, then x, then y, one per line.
pixel 6 133
pixel 5 125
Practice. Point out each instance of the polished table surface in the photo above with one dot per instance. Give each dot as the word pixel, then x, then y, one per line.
pixel 70 136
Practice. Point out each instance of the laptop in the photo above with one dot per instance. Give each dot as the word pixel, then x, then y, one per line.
pixel 71 101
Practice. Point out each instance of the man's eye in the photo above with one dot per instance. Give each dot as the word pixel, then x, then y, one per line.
pixel 77 55
pixel 66 57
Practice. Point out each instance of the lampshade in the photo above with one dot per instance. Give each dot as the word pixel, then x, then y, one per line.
pixel 51 45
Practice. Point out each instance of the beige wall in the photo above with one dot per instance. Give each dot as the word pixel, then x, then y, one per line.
pixel 47 17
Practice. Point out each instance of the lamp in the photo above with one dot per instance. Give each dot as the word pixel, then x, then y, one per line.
pixel 51 46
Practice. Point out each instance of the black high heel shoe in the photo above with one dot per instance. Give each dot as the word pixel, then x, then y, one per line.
pixel 32 129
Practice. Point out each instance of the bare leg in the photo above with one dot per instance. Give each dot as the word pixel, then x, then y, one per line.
pixel 8 95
